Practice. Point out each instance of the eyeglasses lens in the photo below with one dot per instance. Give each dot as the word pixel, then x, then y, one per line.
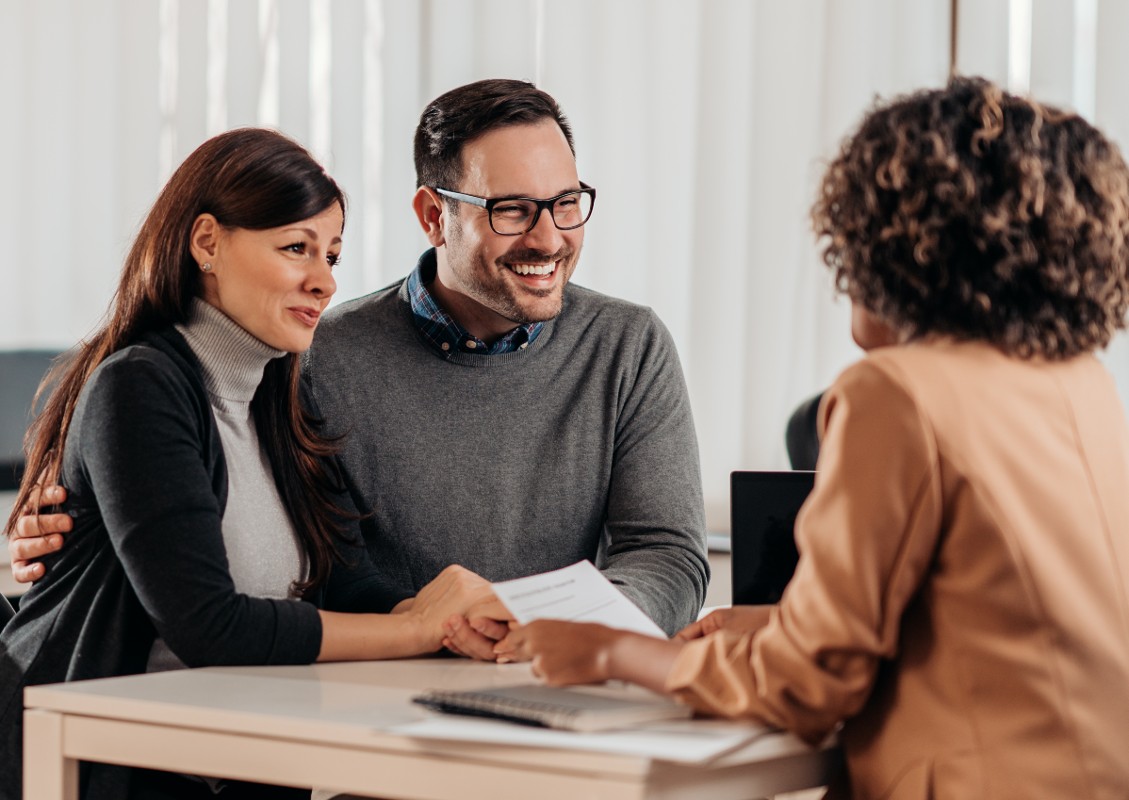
pixel 515 216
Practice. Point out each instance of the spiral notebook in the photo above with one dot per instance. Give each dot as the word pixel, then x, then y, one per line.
pixel 553 707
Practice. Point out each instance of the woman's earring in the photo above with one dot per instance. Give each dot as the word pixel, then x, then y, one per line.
pixel 206 267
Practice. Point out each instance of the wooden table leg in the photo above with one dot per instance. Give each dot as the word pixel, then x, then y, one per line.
pixel 48 773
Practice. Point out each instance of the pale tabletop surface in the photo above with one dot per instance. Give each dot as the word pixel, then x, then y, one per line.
pixel 356 708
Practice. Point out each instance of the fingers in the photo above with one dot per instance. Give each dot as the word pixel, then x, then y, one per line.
pixel 32 525
pixel 712 624
pixel 36 534
pixel 691 631
pixel 535 668
pixel 742 619
pixel 25 572
pixel 22 552
pixel 454 648
pixel 714 621
pixel 511 647
pixel 490 628
pixel 460 637
pixel 42 496
pixel 25 549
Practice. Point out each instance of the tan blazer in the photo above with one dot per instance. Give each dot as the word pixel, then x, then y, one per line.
pixel 962 596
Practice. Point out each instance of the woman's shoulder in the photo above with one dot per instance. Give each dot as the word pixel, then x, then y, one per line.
pixel 898 378
pixel 140 391
pixel 153 367
pixel 923 363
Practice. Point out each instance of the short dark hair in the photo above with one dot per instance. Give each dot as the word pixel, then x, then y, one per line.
pixel 463 114
pixel 972 212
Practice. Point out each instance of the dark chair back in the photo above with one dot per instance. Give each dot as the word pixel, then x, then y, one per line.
pixel 20 374
pixel 802 435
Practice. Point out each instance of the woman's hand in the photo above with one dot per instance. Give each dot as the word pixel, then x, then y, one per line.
pixel 562 652
pixel 565 653
pixel 449 596
pixel 740 619
pixel 415 626
pixel 476 634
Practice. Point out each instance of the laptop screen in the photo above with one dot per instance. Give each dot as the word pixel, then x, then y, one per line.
pixel 763 508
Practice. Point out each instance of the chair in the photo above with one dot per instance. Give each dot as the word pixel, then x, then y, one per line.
pixel 802 436
pixel 20 374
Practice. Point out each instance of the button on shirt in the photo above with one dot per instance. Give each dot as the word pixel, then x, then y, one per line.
pixel 442 331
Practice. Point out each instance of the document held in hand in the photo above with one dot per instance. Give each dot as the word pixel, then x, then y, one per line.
pixel 579 593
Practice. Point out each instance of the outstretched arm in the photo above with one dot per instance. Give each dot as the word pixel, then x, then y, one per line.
pixel 419 628
pixel 565 653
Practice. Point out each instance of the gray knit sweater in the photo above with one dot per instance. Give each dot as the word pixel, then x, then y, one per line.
pixel 582 446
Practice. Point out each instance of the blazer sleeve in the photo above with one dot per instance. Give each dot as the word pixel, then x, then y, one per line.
pixel 866 537
pixel 142 436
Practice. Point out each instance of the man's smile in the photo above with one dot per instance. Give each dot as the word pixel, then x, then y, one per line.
pixel 534 269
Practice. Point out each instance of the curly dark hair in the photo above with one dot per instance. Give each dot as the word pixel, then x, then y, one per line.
pixel 970 212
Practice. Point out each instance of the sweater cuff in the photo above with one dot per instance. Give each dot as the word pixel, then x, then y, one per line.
pixel 298 633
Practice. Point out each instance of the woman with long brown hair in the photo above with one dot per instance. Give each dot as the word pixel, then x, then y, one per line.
pixel 205 501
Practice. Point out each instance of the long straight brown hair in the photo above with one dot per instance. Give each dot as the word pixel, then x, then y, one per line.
pixel 249 178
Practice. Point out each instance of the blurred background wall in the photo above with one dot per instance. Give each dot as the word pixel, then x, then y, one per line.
pixel 704 125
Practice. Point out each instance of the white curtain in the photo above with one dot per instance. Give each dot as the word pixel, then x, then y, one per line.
pixel 704 126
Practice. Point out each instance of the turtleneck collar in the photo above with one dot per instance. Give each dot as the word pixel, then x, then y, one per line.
pixel 231 358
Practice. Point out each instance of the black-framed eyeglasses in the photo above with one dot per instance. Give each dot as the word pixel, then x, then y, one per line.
pixel 513 216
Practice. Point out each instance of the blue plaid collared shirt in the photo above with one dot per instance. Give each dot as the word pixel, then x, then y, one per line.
pixel 440 328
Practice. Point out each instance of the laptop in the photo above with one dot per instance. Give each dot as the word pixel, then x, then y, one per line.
pixel 763 508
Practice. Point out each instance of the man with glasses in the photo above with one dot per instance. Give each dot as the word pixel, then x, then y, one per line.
pixel 492 414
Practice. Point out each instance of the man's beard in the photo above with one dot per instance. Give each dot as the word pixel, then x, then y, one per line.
pixel 501 297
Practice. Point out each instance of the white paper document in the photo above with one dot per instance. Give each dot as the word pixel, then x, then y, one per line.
pixel 579 593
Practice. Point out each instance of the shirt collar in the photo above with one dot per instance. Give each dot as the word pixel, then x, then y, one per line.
pixel 441 330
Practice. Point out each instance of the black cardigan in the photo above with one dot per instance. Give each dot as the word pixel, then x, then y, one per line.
pixel 147 486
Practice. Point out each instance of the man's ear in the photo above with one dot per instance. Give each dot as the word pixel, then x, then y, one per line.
pixel 202 241
pixel 430 211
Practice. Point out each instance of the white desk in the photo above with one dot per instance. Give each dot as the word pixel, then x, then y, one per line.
pixel 316 726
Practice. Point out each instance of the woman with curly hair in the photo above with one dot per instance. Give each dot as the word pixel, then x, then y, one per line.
pixel 961 603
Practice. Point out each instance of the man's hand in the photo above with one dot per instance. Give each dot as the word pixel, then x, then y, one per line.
pixel 476 634
pixel 740 619
pixel 36 534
